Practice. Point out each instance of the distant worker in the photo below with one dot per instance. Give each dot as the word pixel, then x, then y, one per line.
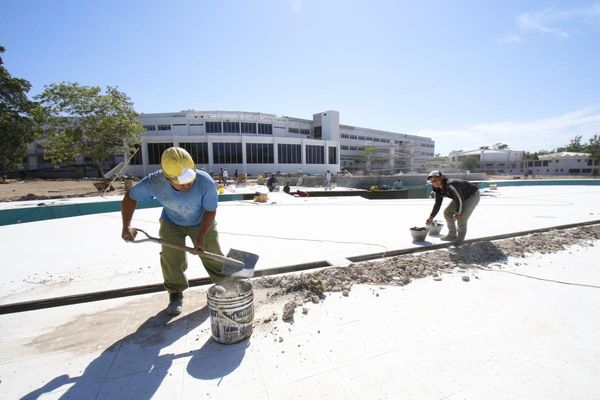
pixel 396 185
pixel 328 180
pixel 225 177
pixel 465 197
pixel 271 182
pixel 189 200
pixel 286 188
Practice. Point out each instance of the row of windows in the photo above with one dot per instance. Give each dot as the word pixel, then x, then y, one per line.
pixel 358 137
pixel 225 127
pixel 300 131
pixel 231 153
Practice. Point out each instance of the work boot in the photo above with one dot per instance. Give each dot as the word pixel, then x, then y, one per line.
pixel 450 237
pixel 175 303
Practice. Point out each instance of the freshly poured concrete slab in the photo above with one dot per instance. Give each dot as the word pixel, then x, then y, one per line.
pixel 498 336
pixel 86 254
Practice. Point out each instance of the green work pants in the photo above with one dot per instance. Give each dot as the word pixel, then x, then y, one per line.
pixel 174 262
pixel 468 207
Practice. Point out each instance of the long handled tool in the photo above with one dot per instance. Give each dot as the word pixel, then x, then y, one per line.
pixel 237 262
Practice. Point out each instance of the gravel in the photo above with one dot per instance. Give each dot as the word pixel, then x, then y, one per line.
pixel 401 270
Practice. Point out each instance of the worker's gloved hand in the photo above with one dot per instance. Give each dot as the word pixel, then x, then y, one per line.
pixel 128 234
pixel 429 221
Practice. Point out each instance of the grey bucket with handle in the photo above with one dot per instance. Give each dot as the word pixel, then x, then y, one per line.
pixel 231 311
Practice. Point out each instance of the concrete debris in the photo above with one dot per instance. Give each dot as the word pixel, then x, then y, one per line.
pixel 466 278
pixel 288 311
pixel 401 270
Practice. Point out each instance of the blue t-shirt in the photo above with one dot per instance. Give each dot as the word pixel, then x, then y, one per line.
pixel 180 208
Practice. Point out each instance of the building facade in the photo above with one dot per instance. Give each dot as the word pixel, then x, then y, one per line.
pixel 490 161
pixel 254 143
pixel 562 163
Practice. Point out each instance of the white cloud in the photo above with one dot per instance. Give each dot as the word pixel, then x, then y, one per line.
pixel 544 134
pixel 559 23
pixel 539 22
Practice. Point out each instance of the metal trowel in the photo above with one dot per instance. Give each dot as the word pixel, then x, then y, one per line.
pixel 237 263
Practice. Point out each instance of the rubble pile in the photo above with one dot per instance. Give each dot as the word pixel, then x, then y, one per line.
pixel 400 270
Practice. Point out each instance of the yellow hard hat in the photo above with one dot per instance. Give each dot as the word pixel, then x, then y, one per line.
pixel 178 166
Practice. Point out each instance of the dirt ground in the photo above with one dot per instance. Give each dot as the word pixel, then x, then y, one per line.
pixel 34 189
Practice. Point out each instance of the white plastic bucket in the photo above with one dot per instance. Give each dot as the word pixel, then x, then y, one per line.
pixel 435 228
pixel 231 313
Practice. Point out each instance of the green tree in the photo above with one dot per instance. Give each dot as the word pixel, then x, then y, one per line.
pixel 469 163
pixel 83 121
pixel 369 153
pixel 17 123
pixel 575 145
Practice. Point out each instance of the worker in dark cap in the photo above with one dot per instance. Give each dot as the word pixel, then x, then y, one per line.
pixel 465 197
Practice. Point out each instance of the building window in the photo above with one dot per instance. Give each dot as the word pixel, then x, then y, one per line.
pixel 361 138
pixel 198 151
pixel 227 153
pixel 259 153
pixel 155 151
pixel 137 156
pixel 332 155
pixel 353 137
pixel 265 129
pixel 150 127
pixel 213 127
pixel 304 131
pixel 289 153
pixel 344 136
pixel 231 127
pixel 164 127
pixel 318 132
pixel 315 155
pixel 248 127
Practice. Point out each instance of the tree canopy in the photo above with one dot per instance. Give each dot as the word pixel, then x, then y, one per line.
pixel 83 121
pixel 17 123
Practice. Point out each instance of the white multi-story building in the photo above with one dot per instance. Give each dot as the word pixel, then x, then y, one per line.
pixel 491 161
pixel 562 163
pixel 253 142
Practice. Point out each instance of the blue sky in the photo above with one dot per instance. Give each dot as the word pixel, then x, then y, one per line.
pixel 465 73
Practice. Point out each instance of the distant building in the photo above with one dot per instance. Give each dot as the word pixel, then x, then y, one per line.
pixel 490 161
pixel 562 163
pixel 253 143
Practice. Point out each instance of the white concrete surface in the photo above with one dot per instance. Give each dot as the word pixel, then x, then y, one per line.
pixel 499 336
pixel 86 254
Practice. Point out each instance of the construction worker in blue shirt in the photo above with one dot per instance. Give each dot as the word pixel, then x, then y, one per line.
pixel 189 200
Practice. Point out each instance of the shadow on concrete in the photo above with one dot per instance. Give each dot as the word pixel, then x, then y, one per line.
pixel 476 253
pixel 132 368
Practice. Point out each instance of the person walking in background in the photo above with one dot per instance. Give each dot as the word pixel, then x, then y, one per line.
pixel 465 197
pixel 225 177
pixel 189 200
pixel 271 182
pixel 328 180
pixel 286 188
